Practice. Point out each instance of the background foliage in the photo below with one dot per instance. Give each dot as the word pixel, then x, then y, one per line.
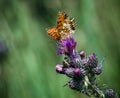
pixel 29 70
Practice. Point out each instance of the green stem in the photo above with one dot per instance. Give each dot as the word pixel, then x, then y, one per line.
pixel 95 89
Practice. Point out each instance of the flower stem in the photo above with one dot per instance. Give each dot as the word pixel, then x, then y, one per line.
pixel 94 88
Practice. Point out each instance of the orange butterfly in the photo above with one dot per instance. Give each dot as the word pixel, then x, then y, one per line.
pixel 65 26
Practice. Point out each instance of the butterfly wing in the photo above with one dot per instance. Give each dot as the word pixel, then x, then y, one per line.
pixel 61 20
pixel 65 25
pixel 54 34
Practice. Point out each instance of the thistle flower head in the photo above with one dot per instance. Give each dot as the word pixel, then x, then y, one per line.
pixel 93 56
pixel 67 46
pixel 74 72
pixel 59 68
pixel 97 70
pixel 92 61
pixel 109 93
pixel 75 84
pixel 82 54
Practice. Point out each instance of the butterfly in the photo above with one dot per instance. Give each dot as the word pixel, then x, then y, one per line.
pixel 65 27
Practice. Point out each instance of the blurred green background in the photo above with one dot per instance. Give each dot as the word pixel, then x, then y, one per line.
pixel 29 71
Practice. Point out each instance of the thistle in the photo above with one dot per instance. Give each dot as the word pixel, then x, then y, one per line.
pixel 82 69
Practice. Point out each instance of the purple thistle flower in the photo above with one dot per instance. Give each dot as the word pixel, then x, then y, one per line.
pixel 93 61
pixel 97 70
pixel 69 72
pixel 79 72
pixel 67 46
pixel 75 84
pixel 82 54
pixel 59 68
pixel 93 56
pixel 109 93
pixel 74 72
